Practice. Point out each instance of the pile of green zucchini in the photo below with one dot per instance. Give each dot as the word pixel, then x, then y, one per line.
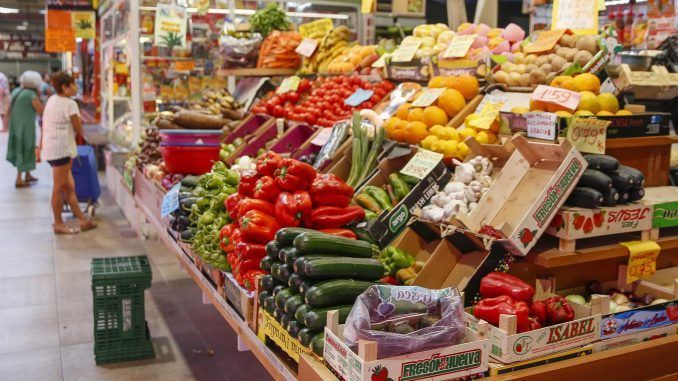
pixel 312 273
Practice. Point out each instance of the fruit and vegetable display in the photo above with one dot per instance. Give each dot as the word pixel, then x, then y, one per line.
pixel 148 152
pixel 401 267
pixel 620 300
pixel 406 319
pixel 330 45
pixel 194 120
pixel 607 183
pixel 488 41
pixel 379 199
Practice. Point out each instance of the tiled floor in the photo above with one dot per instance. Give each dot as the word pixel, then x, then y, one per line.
pixel 46 300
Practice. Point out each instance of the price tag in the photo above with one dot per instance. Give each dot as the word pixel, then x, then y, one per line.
pixel 546 41
pixel 360 96
pixel 381 62
pixel 422 163
pixel 288 84
pixel 588 134
pixel 184 65
pixel 322 137
pixel 367 6
pixel 580 16
pixel 541 125
pixel 317 27
pixel 565 98
pixel 307 47
pixel 459 46
pixel 642 259
pixel 427 97
pixel 487 115
pixel 406 50
pixel 170 202
pixel 608 87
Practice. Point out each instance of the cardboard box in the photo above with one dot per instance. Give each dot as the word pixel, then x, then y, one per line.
pixel 241 299
pixel 635 338
pixel 571 223
pixel 498 368
pixel 416 70
pixel 272 330
pixel 664 201
pixel 638 125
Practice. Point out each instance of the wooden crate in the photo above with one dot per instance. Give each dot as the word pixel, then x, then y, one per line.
pixel 148 193
pixel 241 299
pixel 664 202
pixel 533 183
pixel 271 330
pixel 571 224
pixel 655 84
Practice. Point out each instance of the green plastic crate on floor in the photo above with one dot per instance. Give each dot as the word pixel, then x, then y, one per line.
pixel 120 330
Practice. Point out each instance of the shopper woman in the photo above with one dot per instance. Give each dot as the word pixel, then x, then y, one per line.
pixel 24 106
pixel 60 123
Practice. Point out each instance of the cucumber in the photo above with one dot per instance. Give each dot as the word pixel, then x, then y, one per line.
pixel 336 291
pixel 282 297
pixel 299 262
pixel 272 249
pixel 329 244
pixel 585 198
pixel 275 272
pixel 595 179
pixel 269 304
pixel 638 176
pixel 277 289
pixel 291 255
pixel 317 318
pixel 605 163
pixel 286 236
pixel 278 313
pixel 189 181
pixel 266 263
pixel 285 320
pixel 622 180
pixel 611 197
pixel 343 267
pixel 262 296
pixel 282 254
pixel 318 344
pixel 267 283
pixel 636 194
pixel 293 303
pixel 295 281
pixel 293 328
pixel 305 336
pixel 284 273
pixel 301 312
pixel 304 286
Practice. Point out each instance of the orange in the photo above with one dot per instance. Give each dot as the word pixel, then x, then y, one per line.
pixel 434 115
pixel 416 114
pixel 403 111
pixel 399 132
pixel 415 132
pixel 451 101
pixel 569 84
pixel 467 85
pixel 559 80
pixel 436 82
pixel 552 107
pixel 451 81
pixel 391 124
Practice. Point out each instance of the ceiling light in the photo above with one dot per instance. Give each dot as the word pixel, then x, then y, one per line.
pixel 42 11
pixel 22 27
pixel 78 39
pixel 8 10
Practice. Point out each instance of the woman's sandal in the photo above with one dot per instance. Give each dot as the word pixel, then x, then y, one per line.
pixel 65 230
pixel 22 184
pixel 89 225
pixel 30 179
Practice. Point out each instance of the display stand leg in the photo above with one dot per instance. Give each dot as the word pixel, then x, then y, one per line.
pixel 241 345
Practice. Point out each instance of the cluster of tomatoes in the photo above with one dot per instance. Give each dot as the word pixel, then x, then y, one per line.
pixel 320 102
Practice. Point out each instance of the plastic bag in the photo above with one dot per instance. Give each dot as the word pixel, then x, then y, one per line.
pixel 406 319
pixel 240 52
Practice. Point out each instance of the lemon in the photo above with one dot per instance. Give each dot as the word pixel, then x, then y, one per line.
pixel 608 102
pixel 520 110
pixel 624 112
pixel 466 132
pixel 588 102
pixel 564 114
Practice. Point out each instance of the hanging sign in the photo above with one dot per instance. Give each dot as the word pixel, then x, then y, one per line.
pixel 83 24
pixel 580 16
pixel 588 134
pixel 59 35
pixel 170 25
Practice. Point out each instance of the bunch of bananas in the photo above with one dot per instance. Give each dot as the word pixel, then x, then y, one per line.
pixel 331 45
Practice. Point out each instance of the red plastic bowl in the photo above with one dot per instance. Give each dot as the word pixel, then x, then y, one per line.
pixel 194 160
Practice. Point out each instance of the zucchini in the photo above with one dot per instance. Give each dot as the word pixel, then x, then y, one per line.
pixel 291 255
pixel 638 176
pixel 622 180
pixel 285 319
pixel 275 271
pixel 282 254
pixel 278 313
pixel 282 297
pixel 336 291
pixel 293 328
pixel 299 262
pixel 277 289
pixel 189 181
pixel 343 267
pixel 305 336
pixel 284 273
pixel 318 344
pixel 269 304
pixel 262 296
pixel 585 198
pixel 266 263
pixel 611 197
pixel 329 244
pixel 595 179
pixel 636 194
pixel 605 163
pixel 272 249
pixel 292 304
pixel 317 318
pixel 286 236
pixel 295 281
pixel 304 286
pixel 301 312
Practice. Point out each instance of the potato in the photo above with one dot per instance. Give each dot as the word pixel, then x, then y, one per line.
pixel 530 67
pixel 508 66
pixel 521 69
pixel 583 57
pixel 501 76
pixel 546 68
pixel 541 60
pixel 588 43
pixel 525 80
pixel 557 63
pixel 513 79
pixel 562 52
pixel 570 54
pixel 537 76
pixel 568 40
pixel 531 58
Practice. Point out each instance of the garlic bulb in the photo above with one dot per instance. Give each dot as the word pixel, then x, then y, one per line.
pixel 464 172
pixel 433 213
pixel 454 187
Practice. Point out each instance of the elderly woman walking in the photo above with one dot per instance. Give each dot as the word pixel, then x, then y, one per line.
pixel 24 106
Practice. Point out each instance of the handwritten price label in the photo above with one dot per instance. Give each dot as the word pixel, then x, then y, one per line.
pixel 541 125
pixel 320 27
pixel 422 163
pixel 545 41
pixel 288 84
pixel 406 51
pixel 307 47
pixel 642 259
pixel 170 202
pixel 459 46
pixel 427 97
pixel 565 98
pixel 581 16
pixel 359 96
pixel 487 115
pixel 588 134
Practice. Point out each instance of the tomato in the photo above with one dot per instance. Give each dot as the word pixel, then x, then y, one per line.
pixel 310 119
pixel 292 96
pixel 304 85
pixel 367 105
pixel 278 111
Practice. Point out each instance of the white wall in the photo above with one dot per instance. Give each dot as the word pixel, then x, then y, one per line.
pixel 15 68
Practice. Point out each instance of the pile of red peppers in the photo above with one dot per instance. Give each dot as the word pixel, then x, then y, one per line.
pixel 282 192
pixel 509 295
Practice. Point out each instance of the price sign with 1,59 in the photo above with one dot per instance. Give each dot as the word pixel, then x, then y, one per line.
pixel 561 97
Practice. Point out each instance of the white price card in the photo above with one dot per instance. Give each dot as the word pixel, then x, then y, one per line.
pixel 541 125
pixel 422 163
pixel 459 46
pixel 406 50
pixel 428 96
pixel 307 47
pixel 170 202
pixel 358 97
pixel 580 16
pixel 288 84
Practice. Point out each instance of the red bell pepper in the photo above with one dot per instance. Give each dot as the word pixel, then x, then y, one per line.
pixel 390 279
pixel 293 175
pixel 329 190
pixel 291 208
pixel 268 163
pixel 332 217
pixel 346 233
pixel 497 284
pixel 225 241
pixel 266 189
pixel 491 308
pixel 248 182
pixel 538 311
pixel 246 251
pixel 558 310
pixel 250 278
pixel 247 265
pixel 531 325
pixel 231 204
pixel 248 204
pixel 258 227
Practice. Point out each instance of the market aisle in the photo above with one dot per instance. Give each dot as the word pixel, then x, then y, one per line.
pixel 46 308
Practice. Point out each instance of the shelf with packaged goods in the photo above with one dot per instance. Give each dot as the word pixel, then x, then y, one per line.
pixel 164 58
pixel 254 72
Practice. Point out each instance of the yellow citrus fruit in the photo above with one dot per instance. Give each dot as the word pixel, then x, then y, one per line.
pixel 437 82
pixel 451 101
pixel 449 148
pixel 466 132
pixel 520 110
pixel 462 150
pixel 569 84
pixel 415 132
pixel 552 107
pixel 434 115
pixel 588 102
pixel 537 105
pixel 467 85
pixel 583 113
pixel 624 112
pixel 428 141
pixel 416 114
pixel 604 113
pixel 564 114
pixel 403 111
pixel 608 102
pixel 391 124
pixel 587 82
pixel 559 80
pixel 483 137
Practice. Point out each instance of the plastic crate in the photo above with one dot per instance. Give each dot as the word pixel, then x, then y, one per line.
pixel 121 271
pixel 125 350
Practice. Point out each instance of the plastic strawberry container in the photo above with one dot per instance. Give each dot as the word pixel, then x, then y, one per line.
pixel 174 137
pixel 189 158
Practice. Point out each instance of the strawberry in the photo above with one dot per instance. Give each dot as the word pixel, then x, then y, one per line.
pixel 578 221
pixel 526 236
pixel 598 219
pixel 380 373
pixel 588 225
pixel 557 222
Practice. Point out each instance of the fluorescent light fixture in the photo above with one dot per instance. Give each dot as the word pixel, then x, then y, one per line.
pixel 8 10
pixel 249 12
pixel 621 2
pixel 78 39
pixel 22 27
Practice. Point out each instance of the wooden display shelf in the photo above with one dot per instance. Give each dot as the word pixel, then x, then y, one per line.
pixel 650 155
pixel 254 72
